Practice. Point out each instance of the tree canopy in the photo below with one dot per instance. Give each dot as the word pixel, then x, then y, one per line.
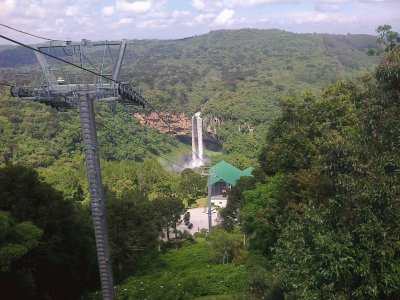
pixel 326 214
pixel 54 237
pixel 387 36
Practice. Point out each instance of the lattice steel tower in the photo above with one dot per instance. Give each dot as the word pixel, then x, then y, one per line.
pixel 69 83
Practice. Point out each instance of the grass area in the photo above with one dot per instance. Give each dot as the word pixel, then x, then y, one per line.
pixel 223 297
pixel 184 273
pixel 211 153
pixel 202 202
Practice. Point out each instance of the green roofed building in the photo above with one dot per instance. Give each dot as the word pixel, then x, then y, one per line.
pixel 223 177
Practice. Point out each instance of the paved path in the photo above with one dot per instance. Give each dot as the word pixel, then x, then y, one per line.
pixel 199 219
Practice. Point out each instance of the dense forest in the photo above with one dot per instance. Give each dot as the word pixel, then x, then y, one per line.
pixel 322 212
pixel 237 76
pixel 316 115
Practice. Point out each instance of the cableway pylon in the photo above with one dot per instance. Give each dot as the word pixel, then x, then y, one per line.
pixel 65 90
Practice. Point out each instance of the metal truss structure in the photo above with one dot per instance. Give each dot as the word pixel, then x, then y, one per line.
pixel 62 80
pixel 68 84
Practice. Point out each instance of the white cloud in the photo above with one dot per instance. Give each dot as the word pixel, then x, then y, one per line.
pixel 225 17
pixel 60 22
pixel 327 7
pixel 107 11
pixel 7 7
pixel 34 11
pixel 159 7
pixel 71 11
pixel 180 13
pixel 164 19
pixel 377 1
pixel 148 24
pixel 348 19
pixel 264 20
pixel 133 7
pixel 312 18
pixel 362 1
pixel 316 18
pixel 333 1
pixel 57 2
pixel 213 5
pixel 85 21
pixel 199 4
pixel 79 19
pixel 202 18
pixel 233 3
pixel 122 21
pixel 207 5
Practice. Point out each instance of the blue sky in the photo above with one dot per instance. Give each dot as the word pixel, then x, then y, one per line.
pixel 171 19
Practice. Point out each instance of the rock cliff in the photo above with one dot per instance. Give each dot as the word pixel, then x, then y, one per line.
pixel 181 125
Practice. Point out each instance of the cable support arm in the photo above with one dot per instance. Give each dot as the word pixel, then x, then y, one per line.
pixel 125 90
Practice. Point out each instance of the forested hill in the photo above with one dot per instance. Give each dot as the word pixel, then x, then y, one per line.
pixel 235 75
pixel 226 71
pixel 240 74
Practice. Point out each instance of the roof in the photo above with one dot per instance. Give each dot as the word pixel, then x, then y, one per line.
pixel 247 172
pixel 228 173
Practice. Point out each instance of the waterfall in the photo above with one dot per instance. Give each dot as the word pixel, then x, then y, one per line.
pixel 200 138
pixel 197 141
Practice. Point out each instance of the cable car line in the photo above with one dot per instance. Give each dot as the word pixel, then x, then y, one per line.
pixel 27 33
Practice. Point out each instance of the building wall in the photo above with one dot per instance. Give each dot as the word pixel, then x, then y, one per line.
pixel 219 201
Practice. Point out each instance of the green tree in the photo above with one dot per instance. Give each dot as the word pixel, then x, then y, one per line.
pixel 170 209
pixel 388 71
pixel 66 246
pixel 15 240
pixel 387 36
pixel 133 230
pixel 120 177
pixel 230 214
pixel 191 183
pixel 224 246
pixel 68 179
pixel 154 180
pixel 326 217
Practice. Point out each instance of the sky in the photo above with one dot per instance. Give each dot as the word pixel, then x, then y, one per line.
pixel 174 19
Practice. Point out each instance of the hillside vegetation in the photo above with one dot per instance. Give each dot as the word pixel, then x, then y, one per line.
pixel 184 273
pixel 319 219
pixel 237 76
pixel 38 135
pixel 323 209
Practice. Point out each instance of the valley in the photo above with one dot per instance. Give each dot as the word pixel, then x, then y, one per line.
pixel 300 135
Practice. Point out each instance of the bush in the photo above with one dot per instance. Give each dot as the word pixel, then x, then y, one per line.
pixel 185 274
